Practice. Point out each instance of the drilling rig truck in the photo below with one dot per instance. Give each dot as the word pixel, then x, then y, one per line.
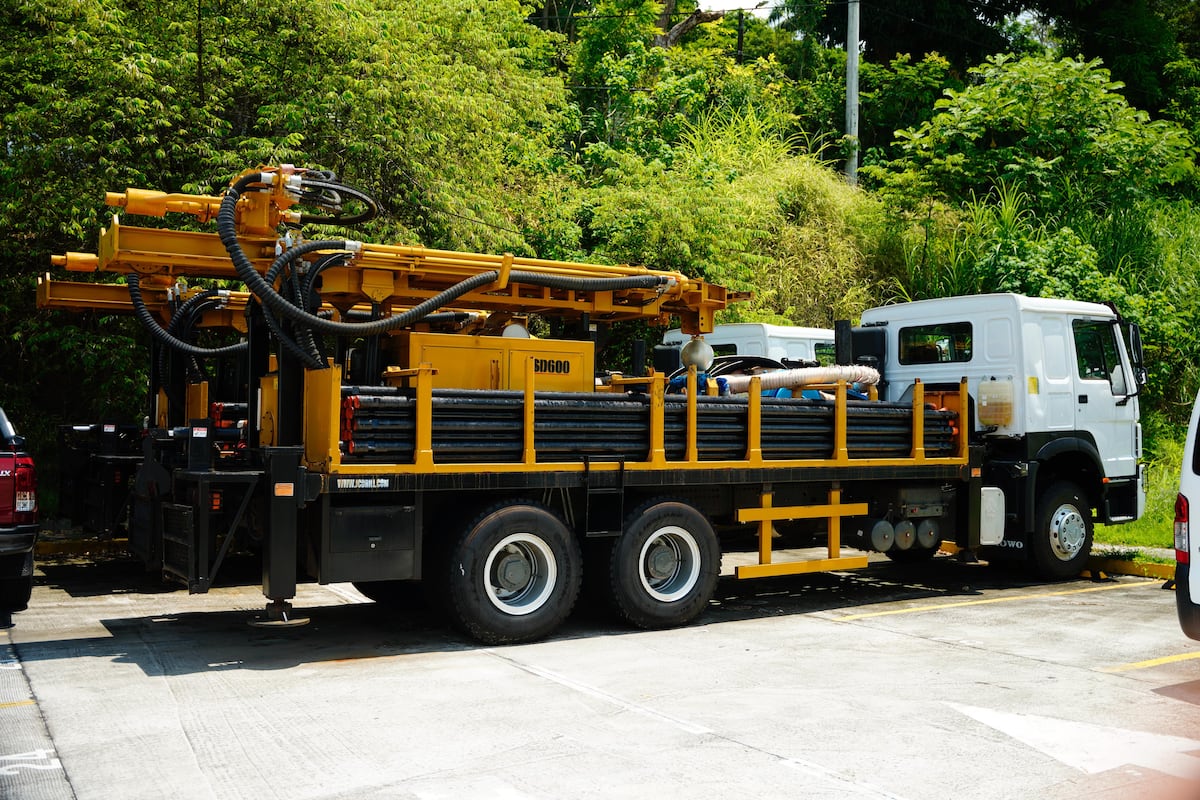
pixel 393 416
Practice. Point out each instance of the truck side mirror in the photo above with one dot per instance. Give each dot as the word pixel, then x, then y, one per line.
pixel 1136 355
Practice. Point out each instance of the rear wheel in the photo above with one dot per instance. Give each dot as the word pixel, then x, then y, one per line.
pixel 16 582
pixel 514 575
pixel 665 566
pixel 1062 536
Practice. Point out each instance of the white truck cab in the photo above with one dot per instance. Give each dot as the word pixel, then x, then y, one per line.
pixel 1054 405
pixel 778 342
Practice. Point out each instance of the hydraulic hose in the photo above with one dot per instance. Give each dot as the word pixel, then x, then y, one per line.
pixel 157 331
pixel 182 323
pixel 271 299
pixel 180 326
pixel 304 338
pixel 319 266
pixel 370 213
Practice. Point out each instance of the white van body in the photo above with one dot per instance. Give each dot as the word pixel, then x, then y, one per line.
pixel 1187 541
pixel 760 339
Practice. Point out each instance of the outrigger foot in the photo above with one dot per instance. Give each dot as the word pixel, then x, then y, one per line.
pixel 279 614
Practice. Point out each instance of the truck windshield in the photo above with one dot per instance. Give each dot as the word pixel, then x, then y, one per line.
pixel 946 342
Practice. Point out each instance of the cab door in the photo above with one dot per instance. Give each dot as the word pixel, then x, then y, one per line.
pixel 1105 395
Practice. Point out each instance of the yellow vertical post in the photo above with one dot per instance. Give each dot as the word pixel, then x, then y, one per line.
pixel 841 453
pixel 693 451
pixel 196 401
pixel 918 420
pixel 322 417
pixel 964 419
pixel 835 525
pixel 658 422
pixel 754 422
pixel 529 450
pixel 765 529
pixel 161 408
pixel 424 432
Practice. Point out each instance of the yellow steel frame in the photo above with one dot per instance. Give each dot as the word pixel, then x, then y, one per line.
pixel 327 456
pixel 328 459
pixel 113 298
pixel 400 276
pixel 766 514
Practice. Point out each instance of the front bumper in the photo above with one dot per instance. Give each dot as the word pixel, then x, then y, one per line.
pixel 18 539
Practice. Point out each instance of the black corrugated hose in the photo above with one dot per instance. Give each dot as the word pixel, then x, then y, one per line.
pixel 271 299
pixel 147 319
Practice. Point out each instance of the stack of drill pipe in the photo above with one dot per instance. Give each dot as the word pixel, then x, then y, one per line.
pixel 378 425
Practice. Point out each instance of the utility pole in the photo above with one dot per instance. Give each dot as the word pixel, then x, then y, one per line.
pixel 852 91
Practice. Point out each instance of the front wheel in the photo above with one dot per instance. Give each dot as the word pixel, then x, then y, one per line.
pixel 1062 536
pixel 514 575
pixel 664 568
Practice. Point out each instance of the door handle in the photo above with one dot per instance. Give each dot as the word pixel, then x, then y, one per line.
pixel 1083 398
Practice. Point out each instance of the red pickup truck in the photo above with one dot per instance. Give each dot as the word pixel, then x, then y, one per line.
pixel 18 522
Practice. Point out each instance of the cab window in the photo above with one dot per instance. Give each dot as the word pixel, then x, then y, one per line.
pixel 1097 355
pixel 945 343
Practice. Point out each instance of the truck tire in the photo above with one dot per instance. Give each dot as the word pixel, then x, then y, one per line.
pixel 664 568
pixel 16 582
pixel 1062 534
pixel 514 574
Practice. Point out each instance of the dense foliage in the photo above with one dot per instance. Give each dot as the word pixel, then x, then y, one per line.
pixel 1050 152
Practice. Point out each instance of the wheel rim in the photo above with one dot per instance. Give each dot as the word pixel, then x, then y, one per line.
pixel 669 564
pixel 1068 532
pixel 520 574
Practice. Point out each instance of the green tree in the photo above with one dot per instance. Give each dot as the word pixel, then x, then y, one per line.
pixel 901 94
pixel 1134 38
pixel 450 113
pixel 1059 131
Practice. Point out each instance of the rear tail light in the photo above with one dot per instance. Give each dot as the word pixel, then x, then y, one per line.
pixel 26 486
pixel 1182 534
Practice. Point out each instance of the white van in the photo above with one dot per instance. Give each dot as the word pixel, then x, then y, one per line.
pixel 1187 582
pixel 778 342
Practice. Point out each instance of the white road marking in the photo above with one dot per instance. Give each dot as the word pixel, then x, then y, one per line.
pixel 34 759
pixel 1093 748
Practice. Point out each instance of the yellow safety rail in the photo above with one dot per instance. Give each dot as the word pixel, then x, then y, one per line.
pixel 324 455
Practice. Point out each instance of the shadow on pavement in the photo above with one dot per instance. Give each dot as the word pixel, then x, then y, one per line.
pixel 178 643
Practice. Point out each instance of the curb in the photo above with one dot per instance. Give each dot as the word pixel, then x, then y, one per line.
pixel 1098 566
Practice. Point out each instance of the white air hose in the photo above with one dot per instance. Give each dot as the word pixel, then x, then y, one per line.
pixel 790 378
